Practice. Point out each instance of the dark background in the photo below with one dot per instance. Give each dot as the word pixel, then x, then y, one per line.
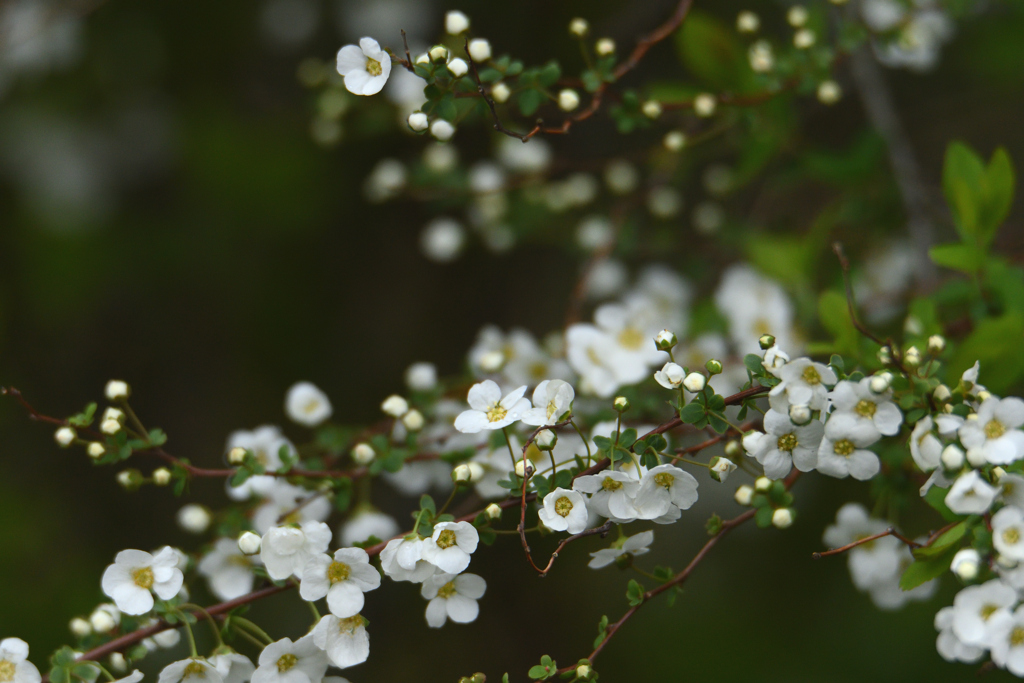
pixel 220 255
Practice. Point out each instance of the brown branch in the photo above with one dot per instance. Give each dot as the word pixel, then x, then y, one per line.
pixel 891 531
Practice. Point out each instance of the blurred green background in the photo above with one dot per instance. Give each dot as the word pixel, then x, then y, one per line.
pixel 165 218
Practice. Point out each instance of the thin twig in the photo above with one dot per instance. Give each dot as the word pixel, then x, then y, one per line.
pixel 891 531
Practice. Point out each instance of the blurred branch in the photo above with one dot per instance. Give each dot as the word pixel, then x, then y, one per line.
pixel 867 539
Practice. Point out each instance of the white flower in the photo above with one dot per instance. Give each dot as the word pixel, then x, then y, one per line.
pixel 634 545
pixel 925 447
pixel 843 450
pixel 421 376
pixel 135 573
pixel 455 22
pixel 265 443
pixel 418 121
pixel 135 676
pixel 670 376
pixel 452 597
pixel 803 383
pixel 663 488
pixel 307 405
pixel 402 560
pixel 488 410
pixel 249 543
pixel 365 67
pixel 194 518
pixel 754 305
pixel 552 402
pixel 721 468
pixel 888 595
pixel 612 494
pixel 442 130
pixel 395 406
pixel 14 664
pixel 450 546
pixel 965 563
pixel 105 618
pixel 366 523
pixel 191 670
pixel 228 571
pixel 345 641
pixel 1006 641
pixel 1008 533
pixel 787 444
pixel 342 580
pixel 285 550
pixel 870 563
pixel 951 648
pixel 442 239
pixel 1012 489
pixel 970 494
pixel 857 398
pixel 564 510
pixel 975 608
pixel 294 501
pixel 288 662
pixel 233 667
pixel 479 49
pixel 996 431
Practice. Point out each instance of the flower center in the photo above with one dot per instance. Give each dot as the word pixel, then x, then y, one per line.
pixel 7 670
pixel 1017 636
pixel 552 408
pixel 811 375
pixel 994 429
pixel 286 662
pixel 143 577
pixel 987 610
pixel 664 479
pixel 445 539
pixel 446 591
pixel 787 442
pixel 563 506
pixel 866 408
pixel 350 625
pixel 631 338
pixel 497 413
pixel 311 406
pixel 338 571
pixel 610 484
pixel 1011 536
pixel 844 447
pixel 194 669
pixel 373 67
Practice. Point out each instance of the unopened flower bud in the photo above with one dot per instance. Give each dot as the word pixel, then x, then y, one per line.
pixel 998 473
pixel 804 38
pixel 249 543
pixel 65 436
pixel 665 340
pixel 480 49
pixel 546 439
pixel 236 456
pixel 942 393
pixel 782 518
pixel 492 361
pixel 115 414
pixel 413 420
pixel 912 357
pixel 458 67
pixel 704 105
pixel 418 121
pixel 621 404
pixel 80 628
pixel 747 22
pixel 733 449
pixel 800 414
pixel 766 341
pixel 797 16
pixel 500 92
pixel 130 479
pixel 651 109
pixel 695 382
pixel 363 454
pixel 493 511
pixel 521 468
pixel 110 427
pixel 744 494
pixel 936 344
pixel 455 22
pixel 194 519
pixel 476 471
pixel 95 450
pixel 952 457
pixel 966 563
pixel 568 99
pixel 984 396
pixel 161 476
pixel 438 53
pixel 880 383
pixel 579 27
pixel 976 457
pixel 583 671
pixel 829 92
pixel 762 484
pixel 117 390
pixel 461 473
pixel 604 47
pixel 395 406
pixel 721 468
pixel 104 618
pixel 118 663
pixel 884 355
pixel 442 130
pixel 674 140
pixel 714 367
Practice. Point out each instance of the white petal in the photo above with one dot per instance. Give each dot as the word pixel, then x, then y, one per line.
pixel 461 609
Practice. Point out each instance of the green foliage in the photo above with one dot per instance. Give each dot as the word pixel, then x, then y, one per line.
pixel 84 418
pixel 634 592
pixel 996 342
pixel 546 669
pixel 711 52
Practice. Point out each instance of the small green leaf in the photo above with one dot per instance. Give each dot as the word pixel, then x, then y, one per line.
pixel 936 497
pixel 965 258
pixel 922 571
pixel 529 102
pixel 941 544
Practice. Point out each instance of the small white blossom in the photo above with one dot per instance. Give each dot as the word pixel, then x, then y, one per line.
pixel 402 560
pixel 611 494
pixel 665 489
pixel 975 607
pixel 117 390
pixel 804 382
pixel 345 641
pixel 458 67
pixel 552 402
pixel 287 662
pixel 1008 533
pixel 395 406
pixel 233 667
pixel 285 550
pixel 306 405
pixel 366 67
pixel 1006 641
pixel 191 670
pixel 670 376
pixel 695 382
pixel 105 618
pixel 970 494
pixel 966 563
pixel 996 432
pixel 859 400
pixel 418 121
pixel 925 447
pixel 479 49
pixel 635 545
pixel 14 664
pixel 564 510
pixel 843 449
pixel 442 130
pixel 786 444
pixel 455 22
pixel 135 573
pixel 342 580
pixel 366 523
pixel 870 563
pixel 194 518
pixel 488 410
pixel 421 376
pixel 450 546
pixel 228 571
pixel 951 648
pixel 452 597
pixel 721 468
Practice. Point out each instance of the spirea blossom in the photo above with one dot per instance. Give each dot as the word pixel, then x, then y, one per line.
pixel 488 410
pixel 286 549
pixel 452 597
pixel 450 546
pixel 345 641
pixel 996 431
pixel 136 575
pixel 191 670
pixel 402 560
pixel 307 405
pixel 342 580
pixel 14 664
pixel 366 67
pixel 662 488
pixel 786 445
pixel 552 403
pixel 635 545
pixel 285 661
pixel 228 571
pixel 564 510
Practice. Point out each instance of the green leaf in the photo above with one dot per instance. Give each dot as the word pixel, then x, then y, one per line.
pixel 427 503
pixel 966 258
pixel 692 413
pixel 529 102
pixel 634 592
pixel 941 544
pixel 996 342
pixel 84 418
pixel 549 74
pixel 999 181
pixel 711 51
pixel 962 177
pixel 922 571
pixel 763 516
pixel 157 437
pixel 936 497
